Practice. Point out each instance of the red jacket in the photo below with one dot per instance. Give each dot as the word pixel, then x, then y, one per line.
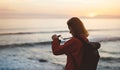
pixel 73 46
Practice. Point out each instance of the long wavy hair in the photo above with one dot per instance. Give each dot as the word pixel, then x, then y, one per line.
pixel 77 26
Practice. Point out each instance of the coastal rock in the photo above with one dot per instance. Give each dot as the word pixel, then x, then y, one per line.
pixel 42 60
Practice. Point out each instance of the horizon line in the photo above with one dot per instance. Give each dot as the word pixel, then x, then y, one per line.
pixel 53 16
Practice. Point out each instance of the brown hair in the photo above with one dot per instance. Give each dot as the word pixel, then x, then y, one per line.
pixel 77 26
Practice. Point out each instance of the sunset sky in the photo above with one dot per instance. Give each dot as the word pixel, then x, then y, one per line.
pixel 59 8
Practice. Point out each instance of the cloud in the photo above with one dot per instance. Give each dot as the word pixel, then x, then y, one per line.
pixel 55 8
pixel 5 10
pixel 32 15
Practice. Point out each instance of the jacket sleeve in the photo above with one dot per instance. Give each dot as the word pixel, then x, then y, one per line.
pixel 60 49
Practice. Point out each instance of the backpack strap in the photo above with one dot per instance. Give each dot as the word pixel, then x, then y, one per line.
pixel 83 41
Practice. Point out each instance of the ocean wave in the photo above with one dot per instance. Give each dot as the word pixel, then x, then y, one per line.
pixel 103 39
pixel 110 59
pixel 61 31
pixel 26 44
pixel 20 33
pixel 62 41
pixel 109 52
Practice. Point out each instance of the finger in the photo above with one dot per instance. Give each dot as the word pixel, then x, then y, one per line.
pixel 59 36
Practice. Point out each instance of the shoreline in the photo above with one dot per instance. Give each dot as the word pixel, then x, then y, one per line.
pixel 39 56
pixel 27 58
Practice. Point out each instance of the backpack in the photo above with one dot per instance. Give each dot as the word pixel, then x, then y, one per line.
pixel 90 56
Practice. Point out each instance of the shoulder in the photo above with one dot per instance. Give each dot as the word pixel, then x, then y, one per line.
pixel 73 40
pixel 84 37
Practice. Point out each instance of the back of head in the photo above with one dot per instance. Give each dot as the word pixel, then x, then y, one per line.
pixel 77 26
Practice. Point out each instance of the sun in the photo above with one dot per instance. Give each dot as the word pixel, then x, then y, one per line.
pixel 92 14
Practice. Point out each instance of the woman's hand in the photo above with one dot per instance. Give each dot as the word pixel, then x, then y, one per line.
pixel 55 36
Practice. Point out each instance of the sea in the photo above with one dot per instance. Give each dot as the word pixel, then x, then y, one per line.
pixel 25 44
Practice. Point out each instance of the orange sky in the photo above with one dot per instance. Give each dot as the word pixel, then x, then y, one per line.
pixel 59 8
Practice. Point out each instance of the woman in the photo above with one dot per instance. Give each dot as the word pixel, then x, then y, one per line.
pixel 73 46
